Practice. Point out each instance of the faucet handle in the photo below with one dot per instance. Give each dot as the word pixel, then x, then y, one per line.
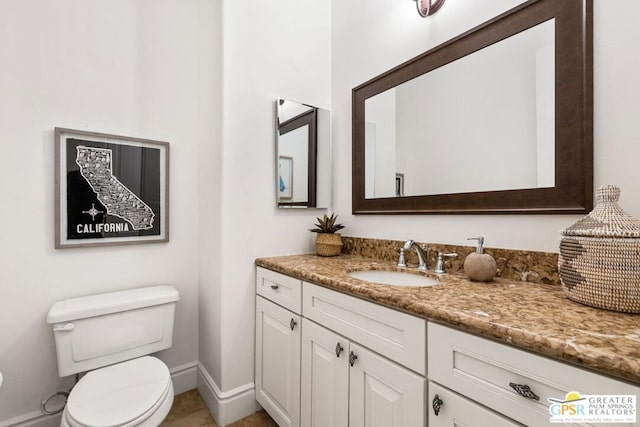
pixel 439 268
pixel 451 255
pixel 402 261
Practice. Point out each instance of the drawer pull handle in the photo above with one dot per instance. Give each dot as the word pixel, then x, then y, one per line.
pixel 293 324
pixel 524 391
pixel 437 404
pixel 339 349
pixel 275 287
pixel 352 358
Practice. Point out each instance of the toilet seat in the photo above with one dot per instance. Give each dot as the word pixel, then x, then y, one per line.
pixel 122 395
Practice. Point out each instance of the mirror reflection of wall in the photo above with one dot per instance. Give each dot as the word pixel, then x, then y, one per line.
pixel 303 151
pixel 451 131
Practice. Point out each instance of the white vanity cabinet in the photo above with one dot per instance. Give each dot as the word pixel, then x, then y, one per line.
pixel 327 359
pixel 344 384
pixel 278 338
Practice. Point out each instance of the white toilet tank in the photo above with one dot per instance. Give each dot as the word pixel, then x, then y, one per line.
pixel 99 330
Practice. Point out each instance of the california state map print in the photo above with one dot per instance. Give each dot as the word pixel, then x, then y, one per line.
pixel 113 190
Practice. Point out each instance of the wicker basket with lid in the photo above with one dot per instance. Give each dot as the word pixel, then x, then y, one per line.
pixel 599 262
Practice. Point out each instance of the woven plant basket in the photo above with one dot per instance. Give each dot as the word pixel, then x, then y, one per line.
pixel 328 244
pixel 599 262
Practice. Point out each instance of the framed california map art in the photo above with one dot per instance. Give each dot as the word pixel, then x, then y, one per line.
pixel 110 189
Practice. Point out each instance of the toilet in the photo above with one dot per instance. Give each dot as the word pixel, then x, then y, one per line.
pixel 110 336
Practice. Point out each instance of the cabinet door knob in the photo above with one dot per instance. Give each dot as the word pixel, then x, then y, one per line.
pixel 524 391
pixel 352 358
pixel 293 324
pixel 274 287
pixel 437 404
pixel 339 349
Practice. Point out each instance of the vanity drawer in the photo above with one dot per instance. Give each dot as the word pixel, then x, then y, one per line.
pixel 456 410
pixel 482 370
pixel 283 290
pixel 396 335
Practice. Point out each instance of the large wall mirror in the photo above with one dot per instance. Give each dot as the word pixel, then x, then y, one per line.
pixel 496 120
pixel 303 155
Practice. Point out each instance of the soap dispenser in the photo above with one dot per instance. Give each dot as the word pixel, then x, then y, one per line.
pixel 478 266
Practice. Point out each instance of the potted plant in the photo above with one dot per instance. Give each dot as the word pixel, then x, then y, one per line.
pixel 328 242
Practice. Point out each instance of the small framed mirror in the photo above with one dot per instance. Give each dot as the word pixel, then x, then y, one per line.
pixel 303 155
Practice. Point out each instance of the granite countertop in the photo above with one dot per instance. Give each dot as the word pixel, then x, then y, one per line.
pixel 535 317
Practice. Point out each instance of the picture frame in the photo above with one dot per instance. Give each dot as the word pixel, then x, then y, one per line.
pixel 285 178
pixel 110 189
pixel 399 185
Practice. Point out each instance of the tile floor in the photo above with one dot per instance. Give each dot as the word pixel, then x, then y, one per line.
pixel 189 410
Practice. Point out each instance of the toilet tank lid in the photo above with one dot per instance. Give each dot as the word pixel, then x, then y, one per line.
pixel 112 302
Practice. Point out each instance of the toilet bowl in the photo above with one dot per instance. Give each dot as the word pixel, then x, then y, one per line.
pixel 110 336
pixel 138 392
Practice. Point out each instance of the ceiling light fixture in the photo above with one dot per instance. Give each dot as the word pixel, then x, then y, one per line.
pixel 428 7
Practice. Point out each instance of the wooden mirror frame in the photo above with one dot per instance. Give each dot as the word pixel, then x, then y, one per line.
pixel 310 119
pixel 573 191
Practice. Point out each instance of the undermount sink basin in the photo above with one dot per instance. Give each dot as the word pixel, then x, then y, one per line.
pixel 396 278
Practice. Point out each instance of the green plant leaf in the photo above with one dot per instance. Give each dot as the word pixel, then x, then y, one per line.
pixel 327 224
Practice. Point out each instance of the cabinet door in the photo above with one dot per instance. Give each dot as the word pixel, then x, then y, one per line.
pixel 457 411
pixel 382 393
pixel 278 362
pixel 325 377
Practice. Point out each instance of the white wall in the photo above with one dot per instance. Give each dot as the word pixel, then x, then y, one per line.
pixel 210 193
pixel 290 109
pixel 380 149
pixel 123 67
pixel 454 124
pixel 545 113
pixel 372 36
pixel 279 49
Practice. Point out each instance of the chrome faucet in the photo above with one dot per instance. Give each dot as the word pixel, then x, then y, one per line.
pixel 420 251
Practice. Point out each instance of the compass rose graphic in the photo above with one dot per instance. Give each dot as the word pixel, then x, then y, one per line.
pixel 93 212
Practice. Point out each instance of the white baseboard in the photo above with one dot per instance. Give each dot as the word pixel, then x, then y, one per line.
pixel 229 406
pixel 184 377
